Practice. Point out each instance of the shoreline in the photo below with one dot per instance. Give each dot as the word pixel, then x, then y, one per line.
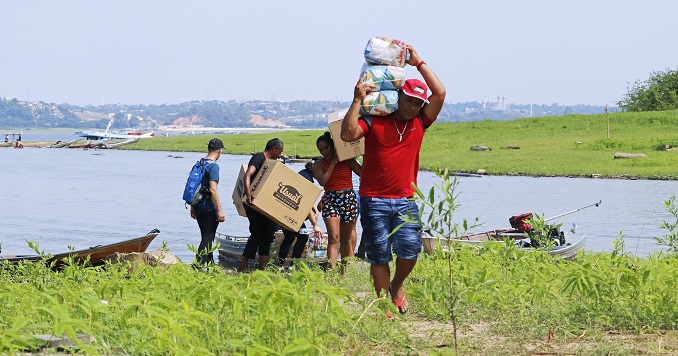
pixel 44 144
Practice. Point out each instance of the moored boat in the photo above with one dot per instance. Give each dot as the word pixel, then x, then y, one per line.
pixel 94 256
pixel 522 235
pixel 563 244
pixel 568 250
pixel 232 247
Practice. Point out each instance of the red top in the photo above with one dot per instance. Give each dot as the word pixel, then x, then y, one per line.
pixel 390 165
pixel 341 178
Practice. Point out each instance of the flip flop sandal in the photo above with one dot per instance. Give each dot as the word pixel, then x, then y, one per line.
pixel 400 303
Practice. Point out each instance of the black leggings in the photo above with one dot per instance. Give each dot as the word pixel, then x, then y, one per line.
pixel 262 233
pixel 287 243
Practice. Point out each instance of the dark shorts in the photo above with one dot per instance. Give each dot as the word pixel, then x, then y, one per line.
pixel 379 217
pixel 340 203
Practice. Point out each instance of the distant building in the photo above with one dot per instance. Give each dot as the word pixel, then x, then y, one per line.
pixel 498 106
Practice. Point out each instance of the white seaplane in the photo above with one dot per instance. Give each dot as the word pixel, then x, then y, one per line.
pixel 103 136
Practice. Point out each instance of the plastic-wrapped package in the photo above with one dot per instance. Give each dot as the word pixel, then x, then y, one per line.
pixel 383 77
pixel 316 241
pixel 386 51
pixel 380 103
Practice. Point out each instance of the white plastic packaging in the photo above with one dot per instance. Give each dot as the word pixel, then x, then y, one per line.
pixel 386 51
pixel 380 103
pixel 383 77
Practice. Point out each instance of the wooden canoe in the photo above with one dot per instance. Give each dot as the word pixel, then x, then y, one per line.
pixel 96 254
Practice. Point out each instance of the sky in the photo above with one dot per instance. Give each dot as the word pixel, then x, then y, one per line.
pixel 167 52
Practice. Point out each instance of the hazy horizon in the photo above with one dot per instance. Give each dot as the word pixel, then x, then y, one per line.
pixel 278 100
pixel 169 52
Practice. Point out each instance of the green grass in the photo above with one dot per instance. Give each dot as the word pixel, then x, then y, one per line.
pixel 300 143
pixel 548 145
pixel 517 297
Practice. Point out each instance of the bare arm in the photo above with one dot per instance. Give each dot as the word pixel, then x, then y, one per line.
pixel 356 167
pixel 350 130
pixel 247 180
pixel 321 176
pixel 313 218
pixel 438 92
pixel 214 193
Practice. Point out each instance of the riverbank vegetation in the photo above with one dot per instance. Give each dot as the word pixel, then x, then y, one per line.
pixel 570 145
pixel 494 299
pixel 491 299
pixel 509 302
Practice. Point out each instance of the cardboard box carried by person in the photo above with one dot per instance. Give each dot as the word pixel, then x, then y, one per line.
pixel 283 195
pixel 239 192
pixel 344 150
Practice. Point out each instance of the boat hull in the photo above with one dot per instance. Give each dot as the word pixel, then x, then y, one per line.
pixel 94 256
pixel 567 251
pixel 232 247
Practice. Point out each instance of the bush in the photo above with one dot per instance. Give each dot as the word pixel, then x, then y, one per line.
pixel 659 92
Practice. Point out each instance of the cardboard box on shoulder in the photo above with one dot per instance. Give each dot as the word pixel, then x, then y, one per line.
pixel 345 150
pixel 283 195
pixel 239 192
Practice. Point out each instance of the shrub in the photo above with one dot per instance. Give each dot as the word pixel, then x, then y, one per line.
pixel 659 92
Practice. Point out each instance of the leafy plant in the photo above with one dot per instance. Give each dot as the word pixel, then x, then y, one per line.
pixel 670 240
pixel 436 215
pixel 209 251
pixel 543 235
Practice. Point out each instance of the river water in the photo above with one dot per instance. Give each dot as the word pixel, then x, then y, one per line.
pixel 81 198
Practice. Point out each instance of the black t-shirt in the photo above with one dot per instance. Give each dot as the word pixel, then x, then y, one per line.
pixel 257 161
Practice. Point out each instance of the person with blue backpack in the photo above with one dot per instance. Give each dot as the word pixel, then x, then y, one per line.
pixel 207 209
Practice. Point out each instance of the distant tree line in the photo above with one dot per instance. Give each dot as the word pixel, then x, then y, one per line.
pixel 18 114
pixel 301 113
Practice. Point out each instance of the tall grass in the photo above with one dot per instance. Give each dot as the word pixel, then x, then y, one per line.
pixel 180 310
pixel 570 145
pixel 177 310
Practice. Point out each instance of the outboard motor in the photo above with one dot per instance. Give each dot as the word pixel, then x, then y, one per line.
pixel 557 235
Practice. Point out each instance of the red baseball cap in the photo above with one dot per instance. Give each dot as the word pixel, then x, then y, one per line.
pixel 415 88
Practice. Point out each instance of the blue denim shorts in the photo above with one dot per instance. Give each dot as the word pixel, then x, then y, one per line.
pixel 380 216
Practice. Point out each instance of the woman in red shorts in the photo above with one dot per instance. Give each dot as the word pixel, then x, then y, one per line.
pixel 339 203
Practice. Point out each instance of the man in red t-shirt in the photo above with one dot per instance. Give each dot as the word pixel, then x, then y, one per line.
pixel 390 166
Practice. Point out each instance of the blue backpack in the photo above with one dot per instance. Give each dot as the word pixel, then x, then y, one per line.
pixel 196 188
